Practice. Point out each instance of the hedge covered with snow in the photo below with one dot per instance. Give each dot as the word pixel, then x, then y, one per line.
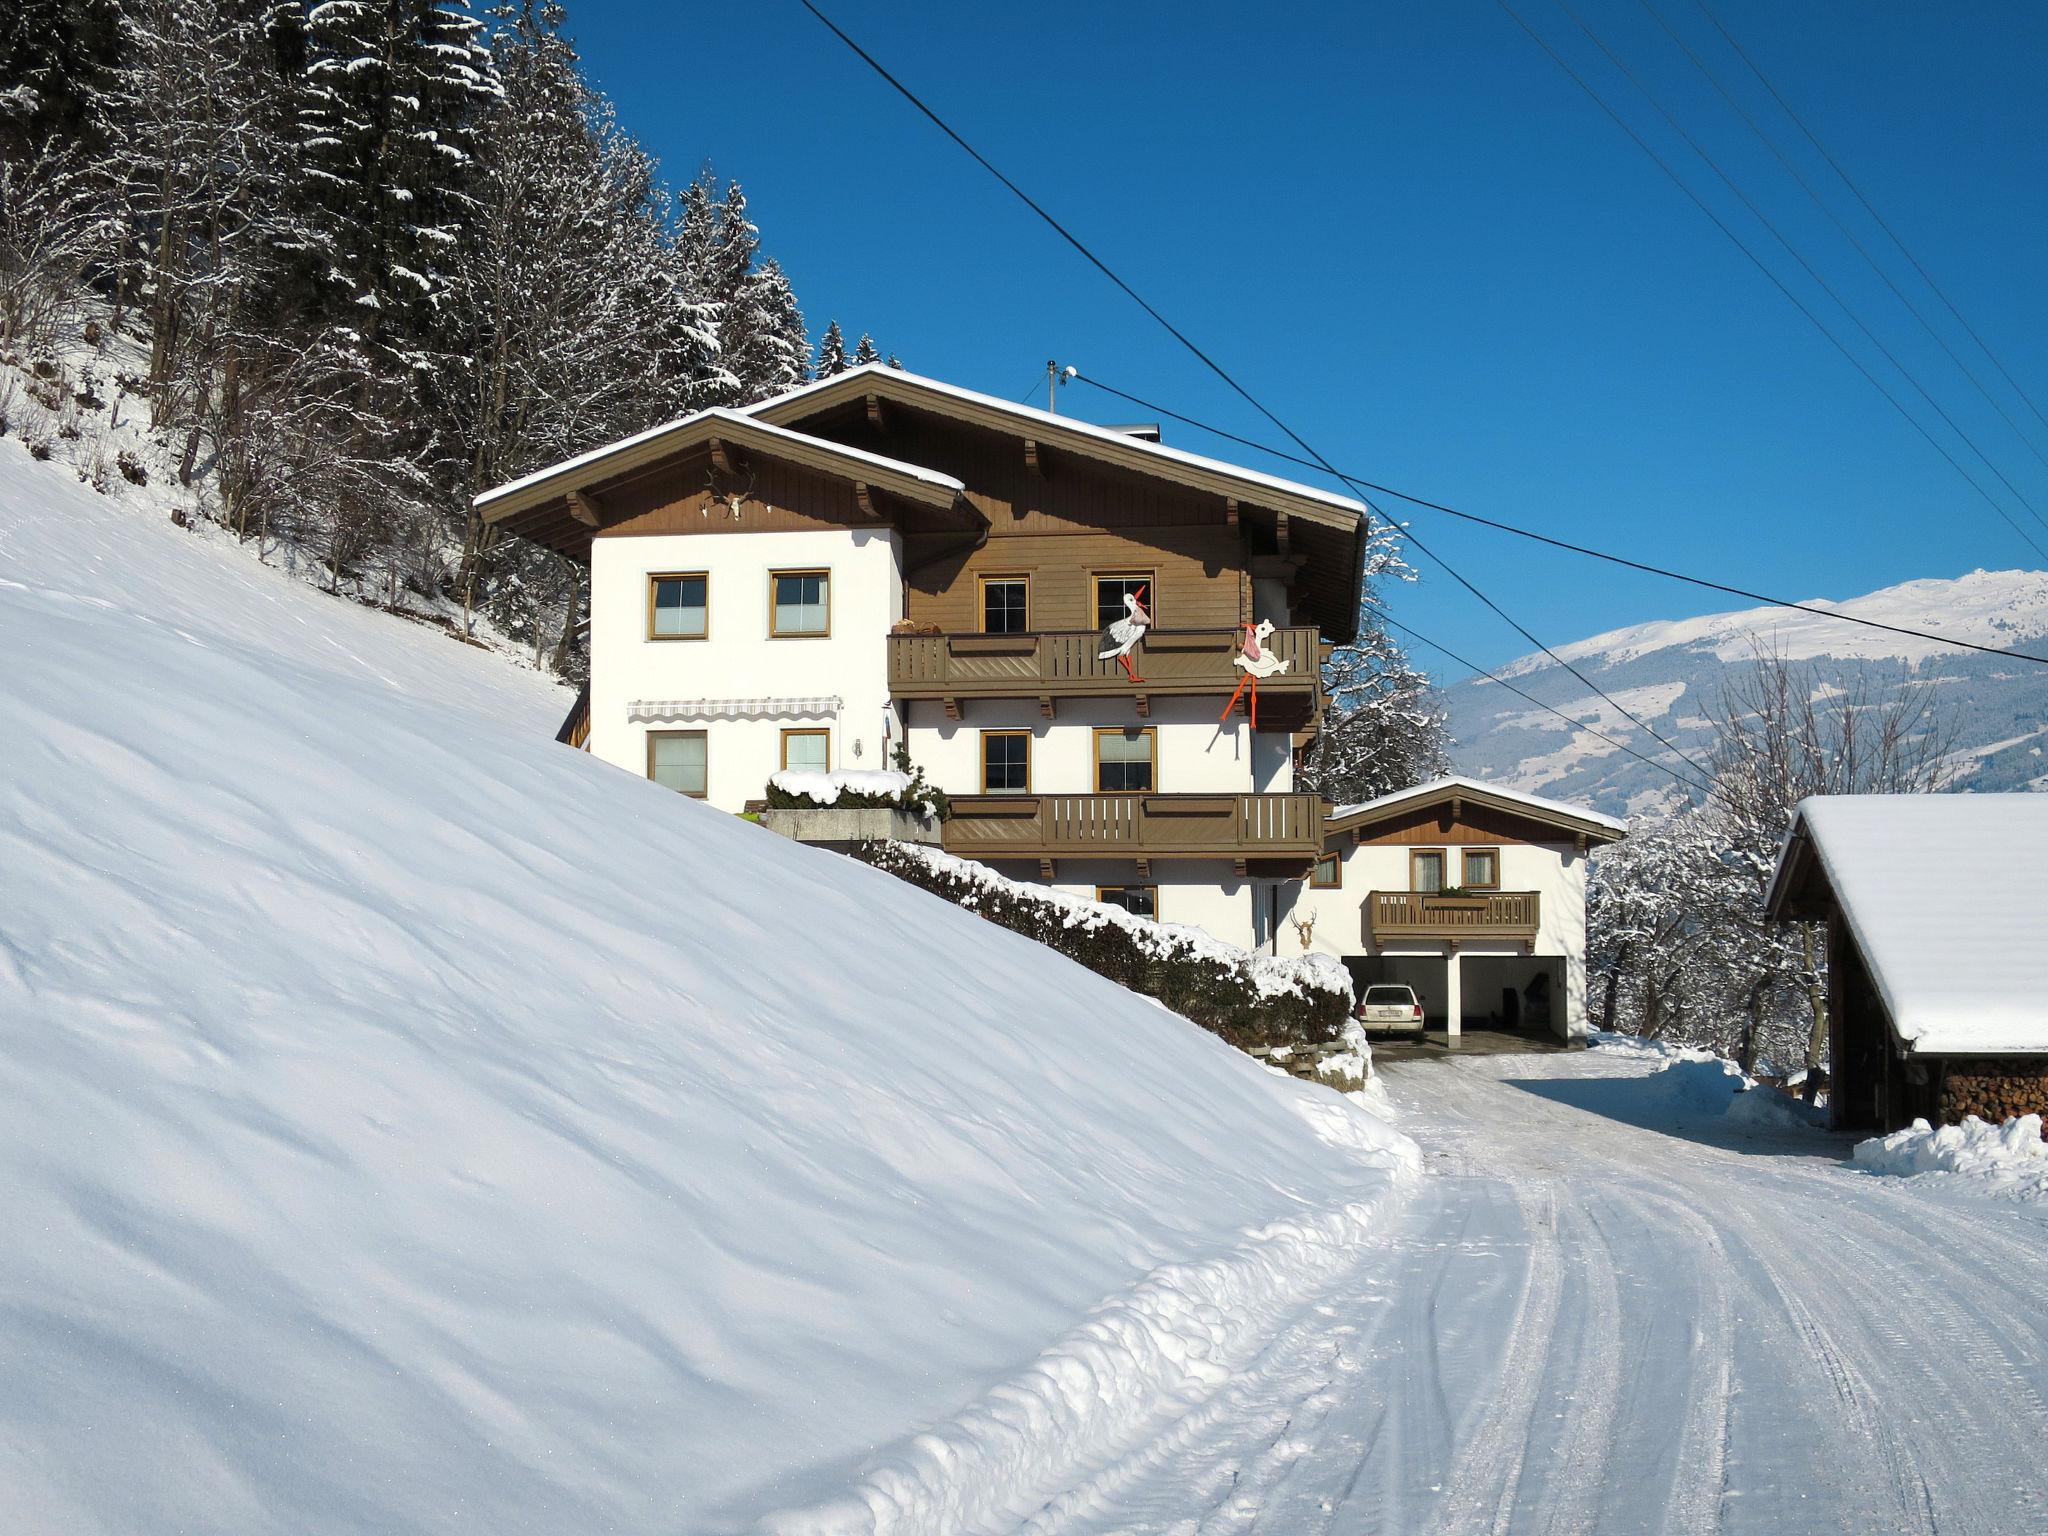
pixel 1248 999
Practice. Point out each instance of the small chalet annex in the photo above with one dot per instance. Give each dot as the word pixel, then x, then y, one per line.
pixel 880 560
pixel 1937 974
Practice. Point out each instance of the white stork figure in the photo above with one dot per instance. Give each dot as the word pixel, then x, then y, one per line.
pixel 1121 636
pixel 1255 661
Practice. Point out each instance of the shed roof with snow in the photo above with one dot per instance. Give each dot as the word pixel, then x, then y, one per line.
pixel 1946 898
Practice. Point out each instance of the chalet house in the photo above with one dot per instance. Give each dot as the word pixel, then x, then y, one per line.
pixel 881 559
pixel 1937 974
pixel 1471 894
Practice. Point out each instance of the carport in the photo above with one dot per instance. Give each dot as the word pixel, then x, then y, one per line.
pixel 1508 991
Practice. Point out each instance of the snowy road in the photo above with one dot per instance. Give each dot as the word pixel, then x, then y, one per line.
pixel 1585 1324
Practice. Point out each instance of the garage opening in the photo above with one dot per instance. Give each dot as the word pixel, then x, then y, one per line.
pixel 1521 994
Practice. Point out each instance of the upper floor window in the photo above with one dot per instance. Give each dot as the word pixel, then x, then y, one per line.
pixel 1426 869
pixel 1329 873
pixel 1482 869
pixel 1005 762
pixel 1124 760
pixel 808 750
pixel 1111 590
pixel 678 606
pixel 1005 605
pixel 676 760
pixel 800 603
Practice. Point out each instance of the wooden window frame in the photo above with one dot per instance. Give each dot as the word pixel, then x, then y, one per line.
pixel 1442 855
pixel 659 576
pixel 1154 889
pixel 1466 852
pixel 807 730
pixel 1151 735
pixel 800 634
pixel 1026 734
pixel 981 586
pixel 1316 882
pixel 1150 578
pixel 654 736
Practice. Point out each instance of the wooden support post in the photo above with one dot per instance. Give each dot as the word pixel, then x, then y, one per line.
pixel 875 417
pixel 1033 460
pixel 585 508
pixel 1283 535
pixel 864 498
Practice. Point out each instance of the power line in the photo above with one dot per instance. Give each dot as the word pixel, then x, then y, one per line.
pixel 1590 553
pixel 1578 725
pixel 1813 195
pixel 1775 281
pixel 1797 255
pixel 1890 233
pixel 1217 368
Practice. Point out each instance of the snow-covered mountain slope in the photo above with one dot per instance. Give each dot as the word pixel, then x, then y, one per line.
pixel 414 1125
pixel 1670 674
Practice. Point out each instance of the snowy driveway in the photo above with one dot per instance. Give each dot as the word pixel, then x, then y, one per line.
pixel 1584 1324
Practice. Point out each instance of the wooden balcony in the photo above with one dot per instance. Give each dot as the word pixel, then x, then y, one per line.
pixel 1278 835
pixel 1400 916
pixel 1054 665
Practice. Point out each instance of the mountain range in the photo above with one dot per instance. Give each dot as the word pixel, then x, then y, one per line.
pixel 1671 674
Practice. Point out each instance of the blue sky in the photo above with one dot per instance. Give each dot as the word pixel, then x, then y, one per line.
pixel 1405 230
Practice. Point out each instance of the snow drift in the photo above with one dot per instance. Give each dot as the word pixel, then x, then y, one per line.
pixel 416 1125
pixel 1695 1086
pixel 1975 1157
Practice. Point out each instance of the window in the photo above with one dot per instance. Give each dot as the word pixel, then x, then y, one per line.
pixel 675 759
pixel 1138 900
pixel 1123 760
pixel 1482 868
pixel 807 750
pixel 677 606
pixel 800 603
pixel 1329 873
pixel 1005 605
pixel 1006 762
pixel 1426 869
pixel 1110 592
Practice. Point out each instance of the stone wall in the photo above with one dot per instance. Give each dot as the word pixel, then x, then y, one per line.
pixel 1994 1088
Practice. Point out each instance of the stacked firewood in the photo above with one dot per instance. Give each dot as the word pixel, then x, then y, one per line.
pixel 1995 1090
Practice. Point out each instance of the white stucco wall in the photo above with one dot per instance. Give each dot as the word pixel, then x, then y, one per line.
pixel 1203 893
pixel 1555 871
pixel 1194 754
pixel 739 659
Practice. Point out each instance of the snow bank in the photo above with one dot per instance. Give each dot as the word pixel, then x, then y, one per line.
pixel 1975 1157
pixel 415 1125
pixel 1695 1085
pixel 1272 975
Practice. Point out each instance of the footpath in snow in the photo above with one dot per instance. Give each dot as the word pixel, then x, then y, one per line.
pixel 1621 1303
pixel 414 1125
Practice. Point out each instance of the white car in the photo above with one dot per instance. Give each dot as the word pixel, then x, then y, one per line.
pixel 1390 1007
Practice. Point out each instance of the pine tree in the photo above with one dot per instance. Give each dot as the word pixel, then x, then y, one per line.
pixel 865 351
pixel 831 352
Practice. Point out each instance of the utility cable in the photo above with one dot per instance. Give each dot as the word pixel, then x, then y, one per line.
pixel 1813 196
pixel 1797 255
pixel 1577 725
pixel 1646 568
pixel 1217 368
pixel 1792 298
pixel 1890 233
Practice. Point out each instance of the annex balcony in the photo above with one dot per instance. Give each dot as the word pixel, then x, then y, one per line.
pixel 1408 916
pixel 1278 835
pixel 1052 665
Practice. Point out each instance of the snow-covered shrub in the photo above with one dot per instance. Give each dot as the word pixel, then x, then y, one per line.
pixel 1248 999
pixel 804 789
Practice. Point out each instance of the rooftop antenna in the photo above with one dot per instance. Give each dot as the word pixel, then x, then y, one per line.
pixel 1055 376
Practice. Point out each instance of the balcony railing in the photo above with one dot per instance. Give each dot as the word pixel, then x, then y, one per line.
pixel 1052 665
pixel 1513 915
pixel 1047 827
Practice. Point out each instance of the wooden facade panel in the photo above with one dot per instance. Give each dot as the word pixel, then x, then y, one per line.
pixel 1195 572
pixel 1434 826
pixel 775 498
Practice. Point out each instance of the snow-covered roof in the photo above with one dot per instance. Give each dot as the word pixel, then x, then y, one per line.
pixel 1576 816
pixel 882 379
pixel 1947 899
pixel 685 426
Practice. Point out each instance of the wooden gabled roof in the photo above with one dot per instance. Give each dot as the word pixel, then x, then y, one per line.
pixel 1456 791
pixel 562 505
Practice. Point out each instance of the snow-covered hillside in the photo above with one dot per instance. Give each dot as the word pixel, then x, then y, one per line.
pixel 412 1124
pixel 1671 673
